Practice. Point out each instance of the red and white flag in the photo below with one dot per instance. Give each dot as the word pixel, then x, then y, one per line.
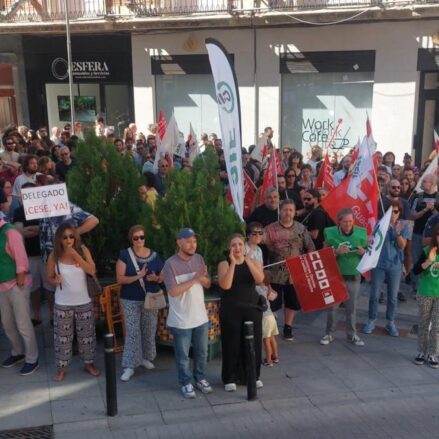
pixel 325 178
pixel 168 143
pixel 359 191
pixel 436 142
pixel 274 167
pixel 249 194
pixel 161 125
pixel 194 148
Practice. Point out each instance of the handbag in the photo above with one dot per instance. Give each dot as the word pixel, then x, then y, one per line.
pixel 153 301
pixel 94 287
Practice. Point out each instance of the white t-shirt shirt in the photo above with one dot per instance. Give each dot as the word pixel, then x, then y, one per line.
pixel 74 286
pixel 187 310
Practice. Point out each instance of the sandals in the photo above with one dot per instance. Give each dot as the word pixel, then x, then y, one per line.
pixel 91 369
pixel 59 376
pixel 275 360
pixel 267 363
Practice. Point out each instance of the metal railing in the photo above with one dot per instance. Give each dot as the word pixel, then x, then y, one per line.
pixel 53 10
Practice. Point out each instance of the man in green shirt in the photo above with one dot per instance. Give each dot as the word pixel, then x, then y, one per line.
pixel 349 243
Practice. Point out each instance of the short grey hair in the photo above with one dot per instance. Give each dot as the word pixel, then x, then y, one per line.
pixel 270 190
pixel 344 212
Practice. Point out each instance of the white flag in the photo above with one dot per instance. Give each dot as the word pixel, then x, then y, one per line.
pixel 169 143
pixel 372 255
pixel 227 96
pixel 194 149
pixel 432 169
pixel 258 151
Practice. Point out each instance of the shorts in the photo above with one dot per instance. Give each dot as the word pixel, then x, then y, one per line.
pixel 36 268
pixel 269 326
pixel 287 295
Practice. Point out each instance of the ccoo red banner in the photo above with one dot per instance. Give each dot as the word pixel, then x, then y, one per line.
pixel 317 280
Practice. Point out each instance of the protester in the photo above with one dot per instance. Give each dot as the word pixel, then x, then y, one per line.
pixel 161 176
pixel 283 239
pixel 138 271
pixel 237 278
pixel 255 235
pixel 269 324
pixel 295 162
pixel 185 275
pixel 266 213
pixel 349 243
pixel 389 271
pixel 30 167
pixel 427 267
pixel 342 173
pixel 14 300
pixel 65 164
pixel 316 157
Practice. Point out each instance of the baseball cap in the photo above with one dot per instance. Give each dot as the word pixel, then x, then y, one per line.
pixel 186 233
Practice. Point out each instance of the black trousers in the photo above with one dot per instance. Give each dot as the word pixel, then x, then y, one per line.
pixel 232 318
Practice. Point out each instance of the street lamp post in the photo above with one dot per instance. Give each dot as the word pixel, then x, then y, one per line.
pixel 69 66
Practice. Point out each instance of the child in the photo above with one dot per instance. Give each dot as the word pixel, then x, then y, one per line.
pixel 269 324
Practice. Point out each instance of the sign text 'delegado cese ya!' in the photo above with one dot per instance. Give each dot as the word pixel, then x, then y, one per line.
pixel 45 201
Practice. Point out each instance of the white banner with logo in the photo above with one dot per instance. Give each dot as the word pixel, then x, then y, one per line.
pixel 372 255
pixel 45 201
pixel 227 96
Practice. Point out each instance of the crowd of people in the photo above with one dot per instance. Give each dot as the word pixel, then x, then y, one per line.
pixel 48 255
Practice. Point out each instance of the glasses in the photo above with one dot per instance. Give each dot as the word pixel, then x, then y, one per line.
pixel 395 211
pixel 257 233
pixel 307 199
pixel 291 176
pixel 395 187
pixel 65 237
pixel 136 238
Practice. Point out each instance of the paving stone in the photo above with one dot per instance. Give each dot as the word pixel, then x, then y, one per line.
pixel 78 410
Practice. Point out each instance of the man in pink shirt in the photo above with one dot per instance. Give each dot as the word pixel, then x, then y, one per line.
pixel 14 300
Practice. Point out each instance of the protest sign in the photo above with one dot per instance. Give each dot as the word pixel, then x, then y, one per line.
pixel 45 201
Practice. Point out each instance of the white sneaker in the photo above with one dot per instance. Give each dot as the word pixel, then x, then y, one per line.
pixel 148 365
pixel 204 386
pixel 326 339
pixel 188 391
pixel 231 387
pixel 259 384
pixel 127 374
pixel 356 341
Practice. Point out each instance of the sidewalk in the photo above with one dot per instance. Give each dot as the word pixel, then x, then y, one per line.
pixel 336 391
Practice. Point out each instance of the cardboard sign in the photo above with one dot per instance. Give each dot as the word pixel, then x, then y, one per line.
pixel 317 280
pixel 45 201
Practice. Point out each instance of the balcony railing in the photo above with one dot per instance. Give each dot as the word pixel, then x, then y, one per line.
pixel 54 10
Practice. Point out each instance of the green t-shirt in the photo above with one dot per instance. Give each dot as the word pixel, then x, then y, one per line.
pixel 348 262
pixel 429 279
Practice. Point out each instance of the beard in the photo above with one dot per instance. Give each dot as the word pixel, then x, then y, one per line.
pixel 189 253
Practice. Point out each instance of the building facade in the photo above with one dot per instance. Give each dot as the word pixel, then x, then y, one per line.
pixel 301 66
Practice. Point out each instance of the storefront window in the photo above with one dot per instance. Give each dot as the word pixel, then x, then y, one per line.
pixel 191 98
pixel 312 103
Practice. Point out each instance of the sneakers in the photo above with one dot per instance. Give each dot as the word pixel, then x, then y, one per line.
pixel 13 360
pixel 288 334
pixel 259 384
pixel 356 341
pixel 204 387
pixel 230 387
pixel 326 339
pixel 402 298
pixel 148 365
pixel 432 361
pixel 420 359
pixel 392 330
pixel 188 391
pixel 127 374
pixel 29 368
pixel 369 327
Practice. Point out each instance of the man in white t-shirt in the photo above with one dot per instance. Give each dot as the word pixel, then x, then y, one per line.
pixel 185 276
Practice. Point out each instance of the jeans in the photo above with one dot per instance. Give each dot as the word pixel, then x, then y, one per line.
pixel 392 277
pixel 416 253
pixel 353 287
pixel 183 339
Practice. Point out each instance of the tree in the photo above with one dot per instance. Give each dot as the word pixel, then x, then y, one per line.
pixel 194 199
pixel 105 184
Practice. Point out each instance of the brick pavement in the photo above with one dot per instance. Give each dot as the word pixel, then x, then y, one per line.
pixel 336 391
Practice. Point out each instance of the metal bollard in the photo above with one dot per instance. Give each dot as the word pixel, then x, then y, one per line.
pixel 110 375
pixel 250 361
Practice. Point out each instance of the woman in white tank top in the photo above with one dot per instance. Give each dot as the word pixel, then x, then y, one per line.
pixel 67 267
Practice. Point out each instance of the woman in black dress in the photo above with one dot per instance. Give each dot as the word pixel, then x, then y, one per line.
pixel 238 277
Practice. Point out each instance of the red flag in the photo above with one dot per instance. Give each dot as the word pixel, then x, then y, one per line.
pixel 325 179
pixel 359 191
pixel 270 176
pixel 317 280
pixel 161 128
pixel 249 194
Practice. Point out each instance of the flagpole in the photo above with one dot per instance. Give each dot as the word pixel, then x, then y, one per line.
pixel 328 144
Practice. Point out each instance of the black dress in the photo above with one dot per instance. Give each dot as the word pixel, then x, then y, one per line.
pixel 238 305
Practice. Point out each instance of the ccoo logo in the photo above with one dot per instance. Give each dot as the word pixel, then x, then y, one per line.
pixel 60 69
pixel 225 97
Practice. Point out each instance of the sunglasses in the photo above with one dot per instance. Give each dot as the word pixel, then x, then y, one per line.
pixel 65 237
pixel 396 211
pixel 307 199
pixel 395 187
pixel 136 238
pixel 257 233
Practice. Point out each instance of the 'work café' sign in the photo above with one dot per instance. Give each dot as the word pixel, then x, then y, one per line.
pixel 45 201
